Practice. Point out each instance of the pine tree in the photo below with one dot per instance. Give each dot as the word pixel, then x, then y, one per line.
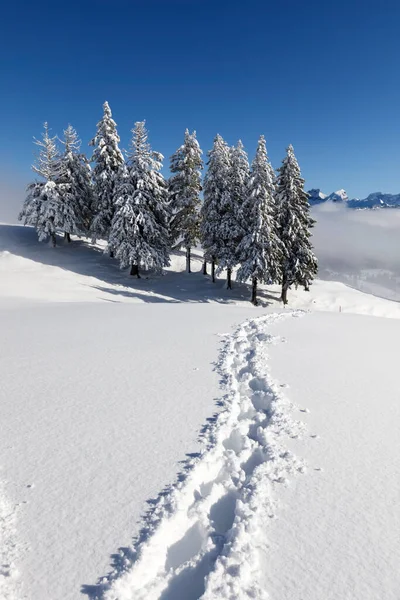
pixel 139 235
pixel 41 208
pixel 299 264
pixel 216 186
pixel 184 194
pixel 108 161
pixel 77 194
pixel 260 248
pixel 231 230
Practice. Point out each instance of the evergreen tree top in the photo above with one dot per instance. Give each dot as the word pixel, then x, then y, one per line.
pixel 71 141
pixel 219 163
pixel 106 138
pixel 261 161
pixel 142 157
pixel 107 109
pixel 48 164
pixel 107 155
pixel 290 167
pixel 188 155
pixel 239 158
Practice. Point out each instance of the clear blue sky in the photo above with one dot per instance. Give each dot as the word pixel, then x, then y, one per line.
pixel 324 76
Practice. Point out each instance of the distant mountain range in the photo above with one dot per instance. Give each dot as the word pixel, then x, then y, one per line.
pixel 375 200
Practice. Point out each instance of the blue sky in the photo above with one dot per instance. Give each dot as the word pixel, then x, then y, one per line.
pixel 324 76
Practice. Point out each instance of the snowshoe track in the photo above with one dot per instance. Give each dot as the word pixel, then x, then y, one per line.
pixel 202 538
pixel 10 550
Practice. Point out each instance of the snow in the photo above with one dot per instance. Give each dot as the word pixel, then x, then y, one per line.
pixel 337 532
pixel 107 382
pixel 97 411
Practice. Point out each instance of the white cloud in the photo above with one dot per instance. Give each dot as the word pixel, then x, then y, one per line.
pixel 361 247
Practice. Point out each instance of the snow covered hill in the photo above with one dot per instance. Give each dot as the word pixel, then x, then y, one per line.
pixel 374 200
pixel 106 383
pixel 32 272
pixel 80 272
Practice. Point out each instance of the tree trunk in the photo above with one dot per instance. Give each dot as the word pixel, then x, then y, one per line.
pixel 67 237
pixel 111 253
pixel 53 240
pixel 285 287
pixel 135 270
pixel 306 287
pixel 188 255
pixel 229 279
pixel 205 267
pixel 213 269
pixel 254 292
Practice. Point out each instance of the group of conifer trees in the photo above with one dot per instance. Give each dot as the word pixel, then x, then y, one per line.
pixel 249 220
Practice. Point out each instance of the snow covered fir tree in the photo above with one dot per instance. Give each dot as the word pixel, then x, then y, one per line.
pixel 139 231
pixel 299 264
pixel 108 160
pixel 249 221
pixel 216 186
pixel 44 207
pixel 77 191
pixel 232 215
pixel 260 249
pixel 184 189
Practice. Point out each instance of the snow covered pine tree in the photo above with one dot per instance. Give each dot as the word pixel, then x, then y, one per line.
pixel 299 264
pixel 108 160
pixel 216 184
pixel 139 235
pixel 43 202
pixel 231 230
pixel 260 248
pixel 184 195
pixel 77 193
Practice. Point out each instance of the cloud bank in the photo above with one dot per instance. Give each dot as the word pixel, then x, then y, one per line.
pixel 359 247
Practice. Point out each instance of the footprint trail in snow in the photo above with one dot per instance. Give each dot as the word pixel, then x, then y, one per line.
pixel 204 537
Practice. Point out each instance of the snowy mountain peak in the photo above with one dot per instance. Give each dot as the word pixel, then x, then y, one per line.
pixel 339 196
pixel 374 200
pixel 316 195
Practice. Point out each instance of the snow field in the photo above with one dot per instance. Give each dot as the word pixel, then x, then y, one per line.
pixel 99 402
pixel 106 381
pixel 337 535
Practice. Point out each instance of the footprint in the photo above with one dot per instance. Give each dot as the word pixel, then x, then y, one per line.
pixel 258 385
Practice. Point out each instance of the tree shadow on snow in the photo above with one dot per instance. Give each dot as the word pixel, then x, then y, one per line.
pixel 83 258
